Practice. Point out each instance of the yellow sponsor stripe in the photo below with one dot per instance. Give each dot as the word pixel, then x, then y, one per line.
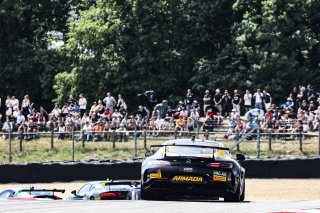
pixel 187 178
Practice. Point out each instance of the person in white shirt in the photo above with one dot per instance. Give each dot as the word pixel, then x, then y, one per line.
pixel 110 101
pixel 15 103
pixel 247 100
pixel 82 104
pixel 20 118
pixel 62 132
pixel 8 103
pixel 258 99
pixel 15 113
pixel 87 131
pixel 25 106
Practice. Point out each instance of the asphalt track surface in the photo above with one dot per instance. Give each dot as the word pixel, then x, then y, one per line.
pixel 141 206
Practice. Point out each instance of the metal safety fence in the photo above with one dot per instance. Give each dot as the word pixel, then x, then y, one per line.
pixel 254 135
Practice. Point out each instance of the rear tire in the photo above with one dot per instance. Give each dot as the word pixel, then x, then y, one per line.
pixel 235 197
pixel 145 195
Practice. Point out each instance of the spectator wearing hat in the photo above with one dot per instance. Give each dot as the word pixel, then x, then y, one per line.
pixel 207 101
pixel 226 103
pixel 289 104
pixel 247 100
pixel 217 99
pixel 236 101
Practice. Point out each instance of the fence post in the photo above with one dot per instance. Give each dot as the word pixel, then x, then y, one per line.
pixel 258 138
pixel 10 154
pixel 20 141
pixel 52 131
pixel 135 140
pixel 198 129
pixel 83 139
pixel 114 139
pixel 269 141
pixel 238 147
pixel 145 137
pixel 300 136
pixel 175 133
pixel 72 123
pixel 207 134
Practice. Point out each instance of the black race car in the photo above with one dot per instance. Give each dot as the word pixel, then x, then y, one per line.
pixel 192 168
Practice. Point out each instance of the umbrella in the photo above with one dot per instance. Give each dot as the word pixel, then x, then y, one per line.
pixel 254 112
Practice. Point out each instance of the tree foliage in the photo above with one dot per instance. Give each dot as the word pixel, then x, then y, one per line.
pixel 169 46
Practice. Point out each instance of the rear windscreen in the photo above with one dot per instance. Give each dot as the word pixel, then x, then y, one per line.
pixel 188 151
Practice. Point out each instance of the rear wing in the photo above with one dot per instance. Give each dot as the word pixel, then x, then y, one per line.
pixel 114 183
pixel 32 189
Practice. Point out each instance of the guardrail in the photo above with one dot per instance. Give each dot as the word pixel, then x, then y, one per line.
pixel 146 135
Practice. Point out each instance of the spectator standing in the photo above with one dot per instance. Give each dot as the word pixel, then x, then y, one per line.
pixel 82 105
pixel 294 96
pixel 236 101
pixel 302 95
pixel 206 101
pixel 267 99
pixel 247 100
pixel 15 103
pixel 226 103
pixel 153 100
pixel 217 99
pixel 188 99
pixel 71 101
pixel 258 99
pixel 25 106
pixel 109 101
pixel 121 102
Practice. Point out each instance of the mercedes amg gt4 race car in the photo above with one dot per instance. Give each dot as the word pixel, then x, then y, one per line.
pixel 192 168
pixel 30 193
pixel 107 190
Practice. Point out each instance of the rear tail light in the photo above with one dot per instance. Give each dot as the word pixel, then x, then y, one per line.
pixel 108 194
pixel 223 165
pixel 158 163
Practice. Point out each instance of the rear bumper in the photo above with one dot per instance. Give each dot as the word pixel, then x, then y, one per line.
pixel 208 189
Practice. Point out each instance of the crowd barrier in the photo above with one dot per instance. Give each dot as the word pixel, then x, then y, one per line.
pixel 101 170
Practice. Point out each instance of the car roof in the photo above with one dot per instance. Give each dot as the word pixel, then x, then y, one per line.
pixel 196 142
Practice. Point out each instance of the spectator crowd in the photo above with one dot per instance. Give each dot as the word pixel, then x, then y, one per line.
pixel 299 112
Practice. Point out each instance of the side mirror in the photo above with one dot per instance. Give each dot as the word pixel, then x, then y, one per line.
pixel 240 157
pixel 74 192
pixel 149 153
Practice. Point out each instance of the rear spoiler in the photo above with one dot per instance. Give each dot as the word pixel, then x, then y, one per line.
pixel 130 183
pixel 32 189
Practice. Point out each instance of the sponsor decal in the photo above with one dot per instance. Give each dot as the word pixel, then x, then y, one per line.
pixel 155 175
pixel 188 161
pixel 220 176
pixel 187 169
pixel 179 178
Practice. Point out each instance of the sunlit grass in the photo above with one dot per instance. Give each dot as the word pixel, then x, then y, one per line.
pixel 40 150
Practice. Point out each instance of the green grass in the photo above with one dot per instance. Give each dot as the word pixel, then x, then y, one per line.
pixel 40 150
